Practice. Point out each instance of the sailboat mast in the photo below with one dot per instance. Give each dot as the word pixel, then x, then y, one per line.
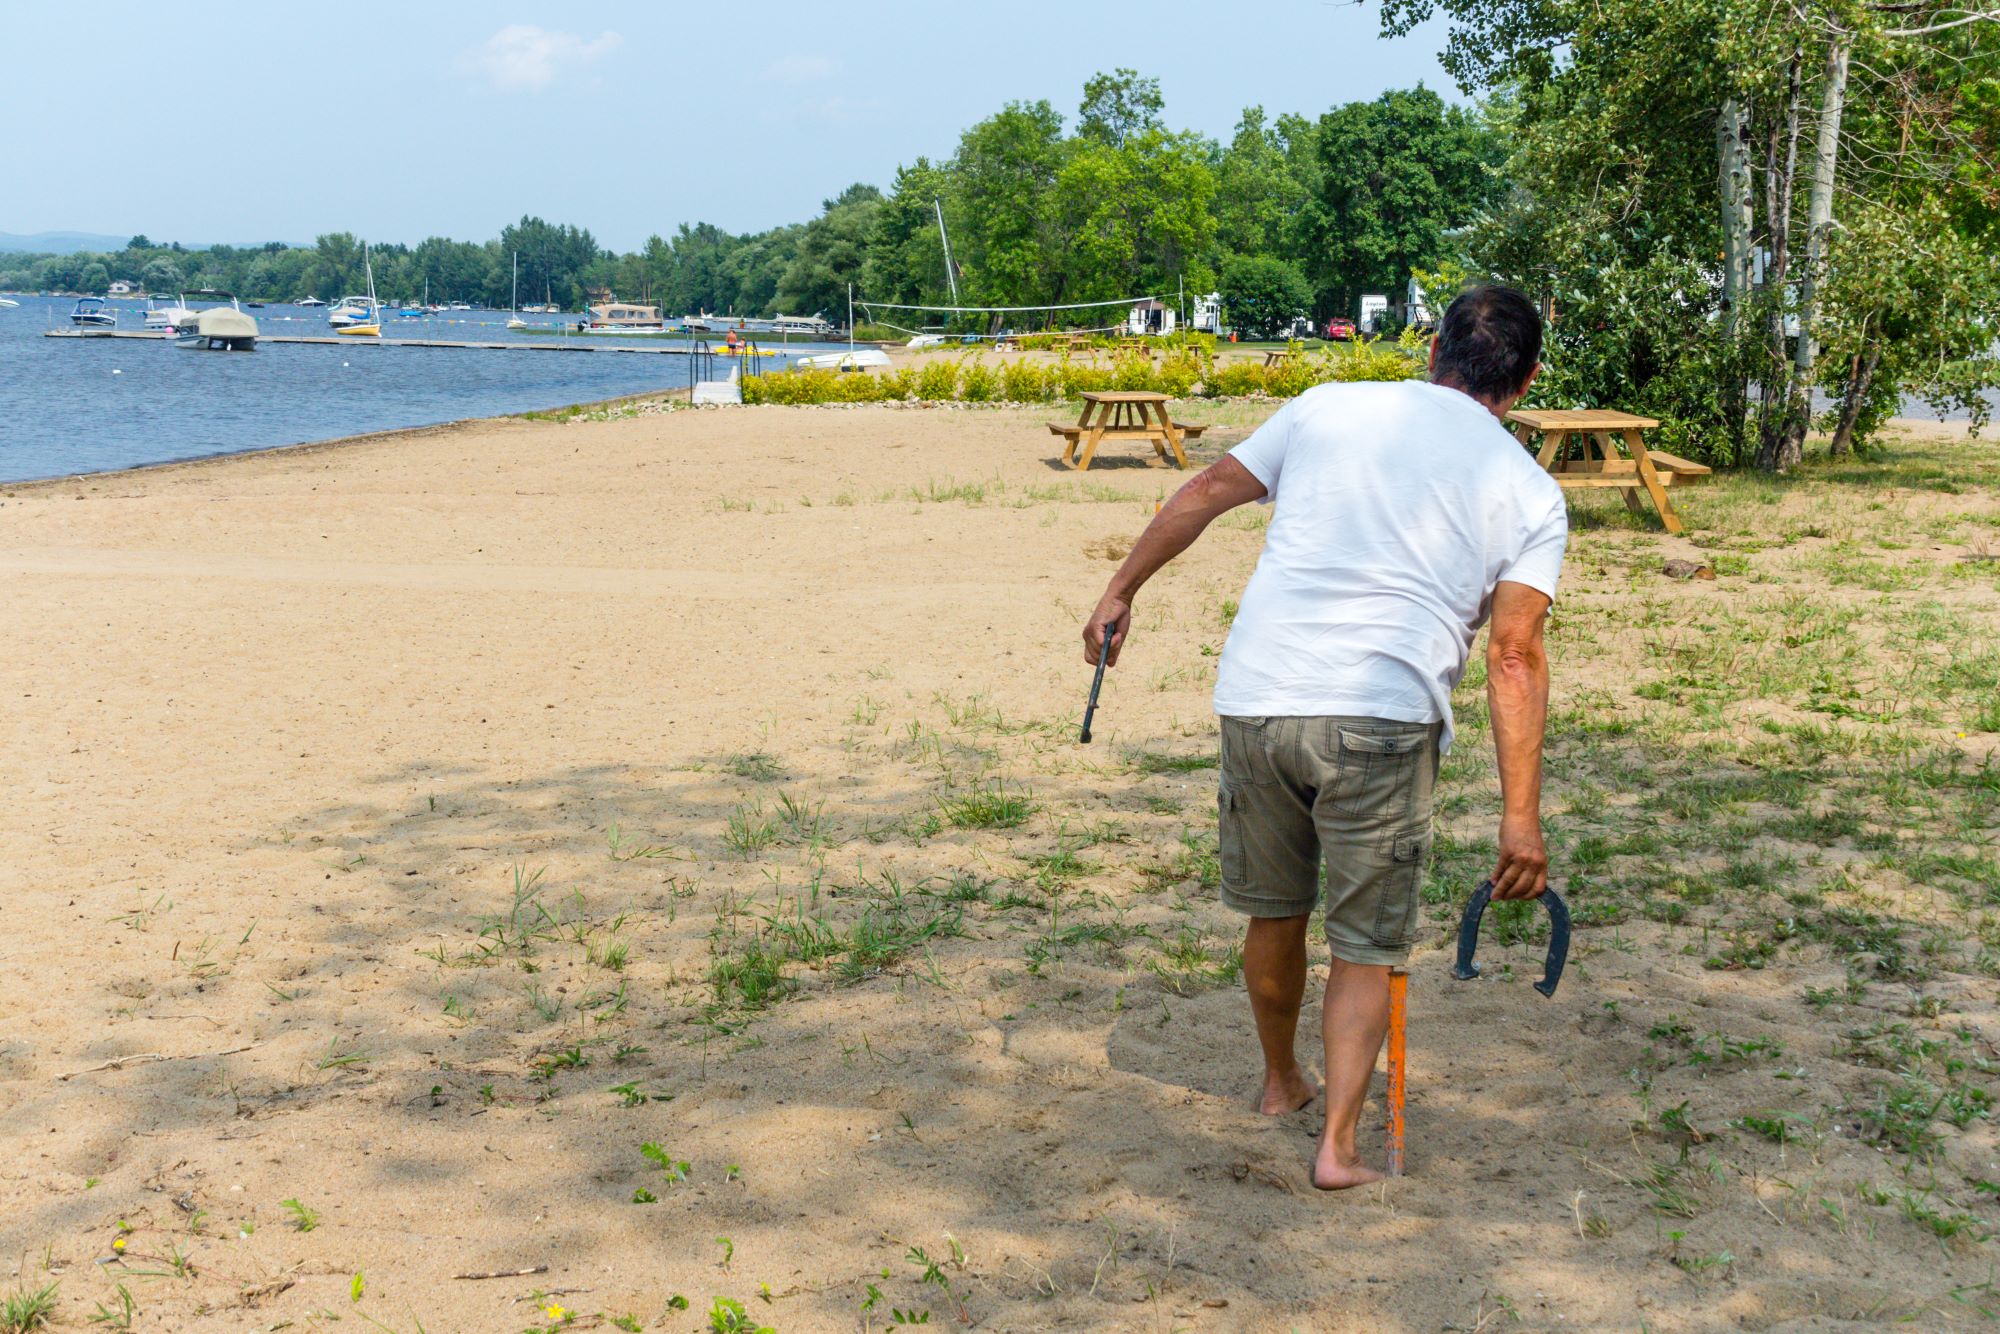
pixel 949 272
pixel 515 309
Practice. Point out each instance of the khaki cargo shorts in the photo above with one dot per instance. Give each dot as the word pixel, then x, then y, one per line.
pixel 1354 790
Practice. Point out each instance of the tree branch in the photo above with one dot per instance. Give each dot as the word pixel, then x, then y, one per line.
pixel 1980 16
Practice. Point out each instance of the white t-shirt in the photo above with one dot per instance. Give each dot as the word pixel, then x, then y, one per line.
pixel 1397 507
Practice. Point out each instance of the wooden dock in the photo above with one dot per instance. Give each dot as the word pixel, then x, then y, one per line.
pixel 566 345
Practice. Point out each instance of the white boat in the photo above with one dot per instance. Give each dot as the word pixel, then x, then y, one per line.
pixel 351 310
pixel 167 316
pixel 309 301
pixel 615 316
pixel 89 313
pixel 6 304
pixel 514 320
pixel 217 328
pixel 860 358
pixel 359 316
pixel 805 326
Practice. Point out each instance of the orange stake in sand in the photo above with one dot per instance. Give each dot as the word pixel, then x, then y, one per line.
pixel 1399 984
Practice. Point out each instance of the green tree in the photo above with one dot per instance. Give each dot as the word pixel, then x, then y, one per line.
pixel 1395 176
pixel 1005 172
pixel 832 250
pixel 1262 295
pixel 1119 106
pixel 1759 177
pixel 905 260
pixel 1261 188
pixel 161 275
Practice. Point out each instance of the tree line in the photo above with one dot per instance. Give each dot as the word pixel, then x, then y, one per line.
pixel 1742 218
pixel 1300 214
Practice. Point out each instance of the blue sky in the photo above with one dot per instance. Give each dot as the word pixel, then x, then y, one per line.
pixel 429 117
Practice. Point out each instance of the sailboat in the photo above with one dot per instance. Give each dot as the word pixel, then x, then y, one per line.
pixel 514 317
pixel 360 321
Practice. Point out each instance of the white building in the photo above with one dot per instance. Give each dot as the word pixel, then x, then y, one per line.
pixel 1150 316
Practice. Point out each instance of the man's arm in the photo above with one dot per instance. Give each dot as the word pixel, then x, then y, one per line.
pixel 1212 492
pixel 1517 694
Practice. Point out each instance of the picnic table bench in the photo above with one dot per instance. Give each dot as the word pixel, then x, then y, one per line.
pixel 1124 414
pixel 1592 432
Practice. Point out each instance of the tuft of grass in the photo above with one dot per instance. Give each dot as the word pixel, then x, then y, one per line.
pixel 304 1217
pixel 1156 762
pixel 24 1310
pixel 757 766
pixel 988 808
pixel 748 830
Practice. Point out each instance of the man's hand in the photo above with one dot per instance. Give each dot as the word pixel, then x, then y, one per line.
pixel 1523 872
pixel 1112 611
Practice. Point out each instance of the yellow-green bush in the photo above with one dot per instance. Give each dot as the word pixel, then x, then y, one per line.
pixel 937 380
pixel 1187 371
pixel 1376 360
pixel 1023 381
pixel 1232 379
pixel 976 382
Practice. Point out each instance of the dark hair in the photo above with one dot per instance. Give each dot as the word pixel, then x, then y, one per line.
pixel 1488 342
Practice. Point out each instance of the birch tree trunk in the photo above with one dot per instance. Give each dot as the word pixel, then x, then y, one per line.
pixel 1819 232
pixel 1781 171
pixel 1732 153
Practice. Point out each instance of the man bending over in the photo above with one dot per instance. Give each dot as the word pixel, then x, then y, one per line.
pixel 1404 518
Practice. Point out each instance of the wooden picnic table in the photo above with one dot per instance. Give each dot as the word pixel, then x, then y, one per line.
pixel 1124 414
pixel 1275 355
pixel 1598 464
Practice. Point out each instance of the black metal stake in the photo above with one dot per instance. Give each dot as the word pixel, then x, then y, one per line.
pixel 1097 682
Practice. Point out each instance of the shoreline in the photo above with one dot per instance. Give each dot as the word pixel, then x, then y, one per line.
pixel 533 416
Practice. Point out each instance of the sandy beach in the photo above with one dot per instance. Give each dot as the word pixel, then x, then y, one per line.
pixel 418 828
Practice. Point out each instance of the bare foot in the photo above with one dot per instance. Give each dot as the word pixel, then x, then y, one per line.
pixel 1286 1093
pixel 1331 1173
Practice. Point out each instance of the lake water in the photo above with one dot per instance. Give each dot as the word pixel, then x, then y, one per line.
pixel 74 405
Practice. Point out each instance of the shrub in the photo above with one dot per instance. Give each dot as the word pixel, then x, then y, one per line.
pixel 1294 375
pixel 1079 377
pixel 1131 371
pixel 1377 360
pixel 1180 373
pixel 1028 382
pixel 1234 378
pixel 978 383
pixel 937 380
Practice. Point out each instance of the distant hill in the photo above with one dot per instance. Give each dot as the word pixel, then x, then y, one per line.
pixel 61 243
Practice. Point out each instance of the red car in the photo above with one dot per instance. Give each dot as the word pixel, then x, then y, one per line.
pixel 1339 330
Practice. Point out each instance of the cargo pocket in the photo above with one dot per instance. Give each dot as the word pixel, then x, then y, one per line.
pixel 1229 838
pixel 1402 877
pixel 1246 750
pixel 1378 772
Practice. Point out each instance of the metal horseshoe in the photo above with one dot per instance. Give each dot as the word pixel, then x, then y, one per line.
pixel 1468 937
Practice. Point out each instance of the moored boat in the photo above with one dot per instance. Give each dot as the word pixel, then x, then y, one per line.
pixel 359 316
pixel 616 316
pixel 89 313
pixel 219 327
